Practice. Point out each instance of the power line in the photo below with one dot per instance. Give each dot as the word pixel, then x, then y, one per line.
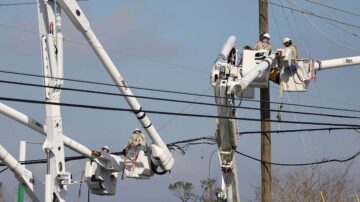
pixel 1 171
pixel 338 26
pixel 334 8
pixel 315 15
pixel 73 158
pixel 171 113
pixel 132 55
pixel 300 33
pixel 193 142
pixel 37 33
pixel 164 62
pixel 190 68
pixel 174 100
pixel 301 164
pixel 299 130
pixel 181 111
pixel 170 91
pixel 324 33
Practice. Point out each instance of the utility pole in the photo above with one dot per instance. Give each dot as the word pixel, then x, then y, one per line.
pixel 265 116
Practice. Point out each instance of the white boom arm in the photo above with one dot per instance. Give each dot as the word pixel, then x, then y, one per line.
pixel 106 163
pixel 248 78
pixel 77 17
pixel 337 63
pixel 32 185
pixel 38 127
pixel 227 130
pixel 229 79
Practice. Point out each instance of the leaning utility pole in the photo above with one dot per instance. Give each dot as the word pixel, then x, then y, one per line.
pixel 265 116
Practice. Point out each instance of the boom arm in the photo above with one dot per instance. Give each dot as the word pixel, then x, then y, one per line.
pixel 77 17
pixel 33 186
pixel 38 127
pixel 229 79
pixel 337 63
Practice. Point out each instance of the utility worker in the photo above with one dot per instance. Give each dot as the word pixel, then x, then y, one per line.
pixel 264 44
pixel 105 149
pixel 294 55
pixel 289 44
pixel 137 138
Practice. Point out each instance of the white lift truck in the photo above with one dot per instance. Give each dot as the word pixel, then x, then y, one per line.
pixel 238 74
pixel 99 174
pixel 141 161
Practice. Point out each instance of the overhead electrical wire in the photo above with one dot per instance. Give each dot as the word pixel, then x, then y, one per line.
pixel 337 25
pixel 288 22
pixel 193 141
pixel 276 22
pixel 322 32
pixel 315 15
pixel 284 164
pixel 190 142
pixel 171 91
pixel 334 8
pixel 181 111
pixel 153 60
pixel 300 34
pixel 174 100
pixel 299 130
pixel 1 171
pixel 96 107
pixel 301 164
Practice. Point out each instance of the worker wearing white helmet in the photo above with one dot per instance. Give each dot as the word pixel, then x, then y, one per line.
pixel 264 44
pixel 137 138
pixel 294 53
pixel 294 56
pixel 105 149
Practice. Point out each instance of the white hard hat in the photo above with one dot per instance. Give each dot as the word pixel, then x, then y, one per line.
pixel 137 130
pixel 105 147
pixel 286 39
pixel 267 35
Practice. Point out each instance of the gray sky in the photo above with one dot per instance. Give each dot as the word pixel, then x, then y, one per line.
pixel 172 45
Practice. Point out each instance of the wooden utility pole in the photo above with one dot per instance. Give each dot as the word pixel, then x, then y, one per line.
pixel 265 116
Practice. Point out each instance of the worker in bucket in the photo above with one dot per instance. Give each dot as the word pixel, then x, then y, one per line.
pixel 264 43
pixel 105 149
pixel 294 55
pixel 137 138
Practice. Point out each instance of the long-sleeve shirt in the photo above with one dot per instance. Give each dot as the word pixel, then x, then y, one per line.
pixel 294 52
pixel 263 46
